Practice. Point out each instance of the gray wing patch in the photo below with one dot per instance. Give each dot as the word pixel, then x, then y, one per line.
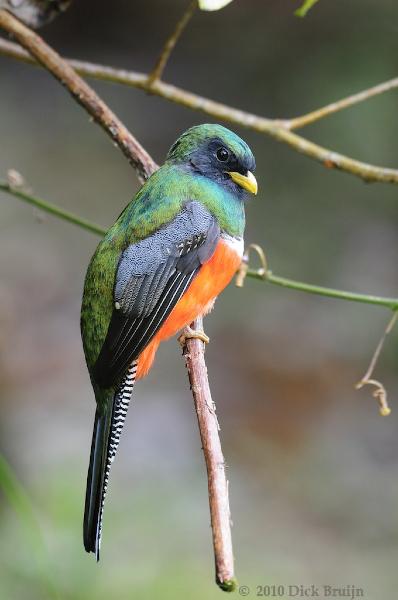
pixel 152 276
pixel 145 267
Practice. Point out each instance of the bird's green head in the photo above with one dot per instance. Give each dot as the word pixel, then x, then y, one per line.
pixel 218 154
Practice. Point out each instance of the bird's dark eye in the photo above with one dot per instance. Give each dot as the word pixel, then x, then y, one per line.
pixel 222 154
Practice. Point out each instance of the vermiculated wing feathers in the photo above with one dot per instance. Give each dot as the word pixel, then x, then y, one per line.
pixel 152 276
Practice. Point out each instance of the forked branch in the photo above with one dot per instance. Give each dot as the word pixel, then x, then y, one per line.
pixel 278 129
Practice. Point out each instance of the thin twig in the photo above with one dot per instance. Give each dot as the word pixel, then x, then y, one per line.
pixel 157 72
pixel 318 290
pixel 243 271
pixel 81 92
pixel 342 104
pixel 51 209
pixel 193 352
pixel 278 129
pixel 380 392
pixel 267 276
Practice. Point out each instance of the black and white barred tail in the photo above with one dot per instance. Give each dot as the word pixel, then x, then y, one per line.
pixel 108 426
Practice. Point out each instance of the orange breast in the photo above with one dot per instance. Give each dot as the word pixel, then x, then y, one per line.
pixel 198 300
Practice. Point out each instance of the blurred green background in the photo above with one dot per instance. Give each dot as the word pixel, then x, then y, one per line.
pixel 313 469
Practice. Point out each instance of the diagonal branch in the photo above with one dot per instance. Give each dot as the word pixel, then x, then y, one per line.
pixel 339 105
pixel 275 128
pixel 81 92
pixel 51 208
pixel 169 46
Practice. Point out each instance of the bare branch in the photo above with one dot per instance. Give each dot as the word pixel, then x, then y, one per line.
pixel 82 93
pixel 334 160
pixel 380 392
pixel 193 352
pixel 19 192
pixel 300 286
pixel 275 128
pixel 335 107
pixel 169 46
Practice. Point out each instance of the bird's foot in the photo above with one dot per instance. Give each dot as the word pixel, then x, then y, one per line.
pixel 190 333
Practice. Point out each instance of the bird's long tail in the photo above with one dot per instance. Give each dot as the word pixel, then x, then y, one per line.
pixel 108 427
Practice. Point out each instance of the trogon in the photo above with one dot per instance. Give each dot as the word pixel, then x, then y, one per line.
pixel 163 263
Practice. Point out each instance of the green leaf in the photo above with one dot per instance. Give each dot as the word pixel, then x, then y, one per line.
pixel 213 4
pixel 307 5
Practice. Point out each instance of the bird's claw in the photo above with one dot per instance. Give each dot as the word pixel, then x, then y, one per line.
pixel 190 333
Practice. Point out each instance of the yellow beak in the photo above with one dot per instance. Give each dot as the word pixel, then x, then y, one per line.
pixel 247 182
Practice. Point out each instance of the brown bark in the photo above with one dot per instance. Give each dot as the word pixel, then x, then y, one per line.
pixel 217 482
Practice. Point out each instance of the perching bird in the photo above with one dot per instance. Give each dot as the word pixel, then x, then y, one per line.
pixel 171 252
